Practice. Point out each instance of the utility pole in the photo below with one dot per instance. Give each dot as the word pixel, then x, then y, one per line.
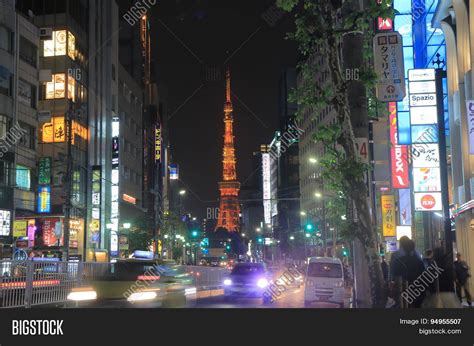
pixel 443 163
pixel 68 179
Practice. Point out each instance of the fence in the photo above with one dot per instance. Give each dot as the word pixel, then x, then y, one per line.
pixel 28 283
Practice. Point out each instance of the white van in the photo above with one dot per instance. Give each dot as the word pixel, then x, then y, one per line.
pixel 324 281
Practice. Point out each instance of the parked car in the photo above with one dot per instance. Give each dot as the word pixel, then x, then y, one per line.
pixel 324 281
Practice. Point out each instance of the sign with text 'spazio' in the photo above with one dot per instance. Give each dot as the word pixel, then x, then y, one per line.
pixel 389 66
pixel 425 148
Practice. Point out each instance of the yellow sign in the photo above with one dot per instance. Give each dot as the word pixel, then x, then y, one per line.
pixel 55 131
pixel 19 228
pixel 95 225
pixel 158 143
pixel 388 216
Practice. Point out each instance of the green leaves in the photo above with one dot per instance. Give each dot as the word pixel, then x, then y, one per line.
pixel 287 5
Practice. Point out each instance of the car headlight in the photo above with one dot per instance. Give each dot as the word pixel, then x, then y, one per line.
pixel 339 284
pixel 309 283
pixel 141 296
pixel 82 295
pixel 227 282
pixel 262 283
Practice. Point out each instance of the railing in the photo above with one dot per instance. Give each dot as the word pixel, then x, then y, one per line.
pixel 28 283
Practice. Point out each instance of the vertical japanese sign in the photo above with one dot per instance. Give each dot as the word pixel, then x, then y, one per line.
pixel 398 153
pixel 44 175
pixel 158 143
pixel 424 132
pixel 388 216
pixel 389 66
pixel 44 199
pixel 96 198
pixel 266 175
pixel 470 125
pixel 115 179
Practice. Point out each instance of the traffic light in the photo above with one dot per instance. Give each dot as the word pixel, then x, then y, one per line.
pixel 309 227
pixel 345 252
pixel 194 233
pixel 228 247
pixel 260 240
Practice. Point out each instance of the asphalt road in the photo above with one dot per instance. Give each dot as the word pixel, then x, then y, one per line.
pixel 293 298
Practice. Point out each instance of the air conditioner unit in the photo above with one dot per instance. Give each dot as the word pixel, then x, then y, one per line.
pixel 46 33
pixel 44 116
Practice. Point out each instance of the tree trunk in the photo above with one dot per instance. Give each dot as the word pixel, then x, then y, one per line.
pixel 357 189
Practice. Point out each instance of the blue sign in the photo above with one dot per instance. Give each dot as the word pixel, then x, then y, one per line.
pixel 44 199
pixel 174 172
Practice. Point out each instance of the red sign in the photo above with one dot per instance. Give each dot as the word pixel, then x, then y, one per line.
pixel 384 24
pixel 49 227
pixel 398 153
pixel 428 201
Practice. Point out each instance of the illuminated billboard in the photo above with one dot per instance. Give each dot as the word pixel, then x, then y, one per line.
pixel 266 173
pixel 425 149
pixel 44 199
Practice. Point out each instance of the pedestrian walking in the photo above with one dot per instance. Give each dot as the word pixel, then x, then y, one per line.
pixel 407 266
pixel 428 258
pixel 461 271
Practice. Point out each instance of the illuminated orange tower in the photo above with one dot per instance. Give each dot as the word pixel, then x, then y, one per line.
pixel 229 187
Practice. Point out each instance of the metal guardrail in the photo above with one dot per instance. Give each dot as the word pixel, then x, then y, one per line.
pixel 28 283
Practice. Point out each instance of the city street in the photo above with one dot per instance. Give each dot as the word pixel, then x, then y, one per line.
pixel 293 298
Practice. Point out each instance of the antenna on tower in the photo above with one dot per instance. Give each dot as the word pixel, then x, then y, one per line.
pixel 227 89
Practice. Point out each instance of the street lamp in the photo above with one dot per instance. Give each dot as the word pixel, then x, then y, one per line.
pixel 318 195
pixel 313 160
pixel 127 225
pixel 302 213
pixel 308 235
pixel 258 229
pixel 182 192
pixel 292 238
pixel 243 235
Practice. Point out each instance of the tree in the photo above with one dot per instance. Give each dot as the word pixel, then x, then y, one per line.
pixel 320 29
pixel 171 227
pixel 140 234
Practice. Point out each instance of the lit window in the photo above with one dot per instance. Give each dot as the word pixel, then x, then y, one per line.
pixel 23 178
pixel 71 88
pixel 56 88
pixel 57 45
pixel 71 46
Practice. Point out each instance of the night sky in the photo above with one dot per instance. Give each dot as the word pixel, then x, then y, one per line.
pixel 195 36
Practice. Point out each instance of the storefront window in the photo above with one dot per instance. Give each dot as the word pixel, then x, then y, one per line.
pixel 56 88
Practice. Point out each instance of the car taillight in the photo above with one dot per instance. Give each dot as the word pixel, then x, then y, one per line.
pixel 148 278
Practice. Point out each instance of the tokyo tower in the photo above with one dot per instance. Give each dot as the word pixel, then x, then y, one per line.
pixel 229 187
